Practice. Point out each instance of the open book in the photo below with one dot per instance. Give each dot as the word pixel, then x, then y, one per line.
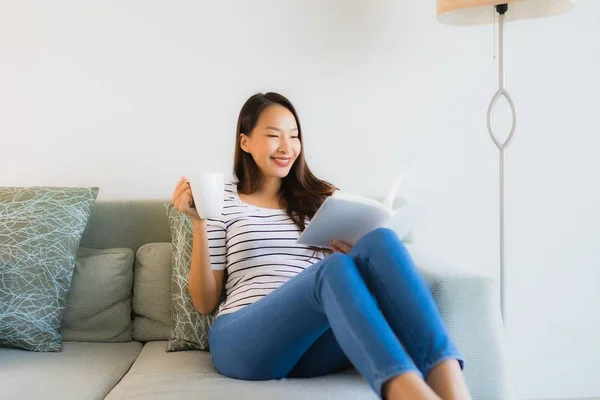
pixel 348 217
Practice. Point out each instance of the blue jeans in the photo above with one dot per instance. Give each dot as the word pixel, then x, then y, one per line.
pixel 369 309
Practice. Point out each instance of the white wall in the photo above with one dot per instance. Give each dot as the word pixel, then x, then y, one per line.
pixel 129 95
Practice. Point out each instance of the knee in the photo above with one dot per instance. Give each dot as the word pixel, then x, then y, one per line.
pixel 380 237
pixel 339 259
pixel 382 234
pixel 338 264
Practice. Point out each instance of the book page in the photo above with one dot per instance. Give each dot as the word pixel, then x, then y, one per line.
pixel 405 219
pixel 343 219
pixel 393 192
pixel 361 199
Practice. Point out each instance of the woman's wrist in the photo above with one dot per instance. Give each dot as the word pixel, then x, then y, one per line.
pixel 198 222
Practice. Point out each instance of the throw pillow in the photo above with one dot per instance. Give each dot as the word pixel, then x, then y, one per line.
pixel 40 230
pixel 99 302
pixel 152 292
pixel 189 328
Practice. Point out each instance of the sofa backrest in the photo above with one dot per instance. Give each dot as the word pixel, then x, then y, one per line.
pixel 126 223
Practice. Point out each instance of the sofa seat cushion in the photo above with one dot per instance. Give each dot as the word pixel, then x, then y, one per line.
pixel 190 374
pixel 82 370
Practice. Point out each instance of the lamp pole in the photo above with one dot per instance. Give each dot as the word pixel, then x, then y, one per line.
pixel 501 145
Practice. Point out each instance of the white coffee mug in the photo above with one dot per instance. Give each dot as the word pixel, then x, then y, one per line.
pixel 208 191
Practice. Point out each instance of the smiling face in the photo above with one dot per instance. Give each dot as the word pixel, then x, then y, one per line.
pixel 274 143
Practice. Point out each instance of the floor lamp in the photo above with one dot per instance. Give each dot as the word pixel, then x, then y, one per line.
pixel 478 12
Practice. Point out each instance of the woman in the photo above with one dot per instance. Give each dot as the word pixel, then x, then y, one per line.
pixel 295 311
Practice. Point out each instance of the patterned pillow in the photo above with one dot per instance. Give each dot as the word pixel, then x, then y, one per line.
pixel 189 328
pixel 40 230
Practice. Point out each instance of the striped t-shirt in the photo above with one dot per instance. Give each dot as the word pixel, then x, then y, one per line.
pixel 257 248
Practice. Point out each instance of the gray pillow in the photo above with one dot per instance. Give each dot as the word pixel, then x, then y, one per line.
pixel 99 302
pixel 40 230
pixel 189 328
pixel 152 292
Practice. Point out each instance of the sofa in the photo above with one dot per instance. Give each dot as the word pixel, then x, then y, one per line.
pixel 139 367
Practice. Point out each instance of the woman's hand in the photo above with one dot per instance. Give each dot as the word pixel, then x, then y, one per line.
pixel 182 199
pixel 339 246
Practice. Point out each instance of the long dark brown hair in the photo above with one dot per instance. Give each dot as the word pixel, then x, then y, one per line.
pixel 301 192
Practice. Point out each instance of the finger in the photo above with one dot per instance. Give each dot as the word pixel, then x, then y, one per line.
pixel 189 198
pixel 184 202
pixel 173 197
pixel 181 181
pixel 336 249
pixel 336 244
pixel 176 190
pixel 345 247
pixel 340 246
pixel 181 188
pixel 183 206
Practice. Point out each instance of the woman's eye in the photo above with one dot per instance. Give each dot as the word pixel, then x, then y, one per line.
pixel 272 136
pixel 295 137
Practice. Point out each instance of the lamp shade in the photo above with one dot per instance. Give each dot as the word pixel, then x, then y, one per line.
pixel 478 12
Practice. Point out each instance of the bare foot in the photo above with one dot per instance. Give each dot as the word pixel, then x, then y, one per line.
pixel 447 380
pixel 408 385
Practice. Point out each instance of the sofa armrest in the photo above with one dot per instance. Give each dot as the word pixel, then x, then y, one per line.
pixel 469 304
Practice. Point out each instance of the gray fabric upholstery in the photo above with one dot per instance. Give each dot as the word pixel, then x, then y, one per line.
pixel 152 292
pixel 157 374
pixel 99 301
pixel 81 371
pixel 126 223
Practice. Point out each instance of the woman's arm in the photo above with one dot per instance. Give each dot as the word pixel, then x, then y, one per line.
pixel 205 283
